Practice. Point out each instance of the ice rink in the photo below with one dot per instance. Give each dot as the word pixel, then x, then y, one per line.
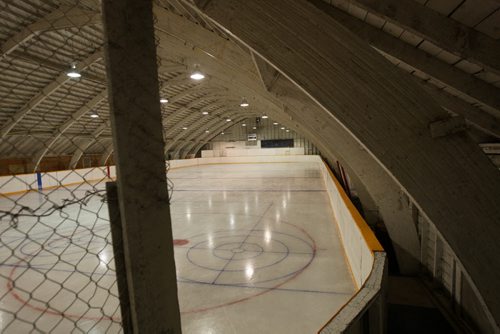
pixel 256 251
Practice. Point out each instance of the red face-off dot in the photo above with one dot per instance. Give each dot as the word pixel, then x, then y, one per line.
pixel 180 242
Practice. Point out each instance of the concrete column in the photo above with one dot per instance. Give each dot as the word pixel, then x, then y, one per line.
pixel 119 258
pixel 138 145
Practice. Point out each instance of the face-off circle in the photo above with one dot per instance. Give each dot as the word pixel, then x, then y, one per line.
pixel 235 251
pixel 257 261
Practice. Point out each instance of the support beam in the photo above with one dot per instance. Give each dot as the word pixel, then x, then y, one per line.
pixel 80 150
pixel 449 75
pixel 202 41
pixel 200 136
pixel 182 80
pixel 447 33
pixel 388 115
pixel 140 163
pixel 203 139
pixel 61 18
pixel 182 134
pixel 46 92
pixel 267 74
pixel 106 155
pixel 198 114
pixel 50 134
pixel 491 148
pixel 201 88
pixel 66 125
pixel 386 192
pixel 473 115
pixel 376 189
pixel 40 61
pixel 190 105
pixel 172 68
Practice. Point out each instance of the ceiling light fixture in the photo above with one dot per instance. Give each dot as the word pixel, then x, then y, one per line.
pixel 228 120
pixel 205 113
pixel 264 116
pixel 282 128
pixel 287 130
pixel 244 103
pixel 255 128
pixel 163 100
pixel 207 131
pixel 275 123
pixel 94 114
pixel 243 124
pixel 73 73
pixel 222 133
pixel 184 128
pixel 197 75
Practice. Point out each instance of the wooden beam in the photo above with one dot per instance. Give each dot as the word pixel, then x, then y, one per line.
pixel 190 105
pixel 449 75
pixel 203 138
pixel 267 74
pixel 445 32
pixel 94 136
pixel 473 115
pixel 106 155
pixel 80 150
pixel 389 116
pixel 46 92
pixel 39 61
pixel 198 118
pixel 201 88
pixel 66 125
pixel 61 18
pixel 376 189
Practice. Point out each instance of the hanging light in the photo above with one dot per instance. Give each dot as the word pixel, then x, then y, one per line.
pixel 196 74
pixel 264 116
pixel 184 128
pixel 244 103
pixel 275 123
pixel 163 100
pixel 287 130
pixel 207 131
pixel 204 113
pixel 228 120
pixel 255 128
pixel 222 133
pixel 94 114
pixel 73 72
pixel 282 128
pixel 243 124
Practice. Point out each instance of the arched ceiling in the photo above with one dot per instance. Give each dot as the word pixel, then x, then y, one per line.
pixel 45 113
pixel 423 148
pixel 450 47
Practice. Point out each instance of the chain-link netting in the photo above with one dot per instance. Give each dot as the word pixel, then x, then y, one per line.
pixel 57 272
pixel 56 257
pixel 56 154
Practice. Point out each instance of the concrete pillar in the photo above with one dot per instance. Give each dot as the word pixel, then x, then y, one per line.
pixel 138 146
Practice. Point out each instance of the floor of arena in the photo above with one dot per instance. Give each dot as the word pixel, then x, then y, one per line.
pixel 256 251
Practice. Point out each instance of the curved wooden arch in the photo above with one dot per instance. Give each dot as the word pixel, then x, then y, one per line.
pixel 446 175
pixel 380 187
pixel 206 138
